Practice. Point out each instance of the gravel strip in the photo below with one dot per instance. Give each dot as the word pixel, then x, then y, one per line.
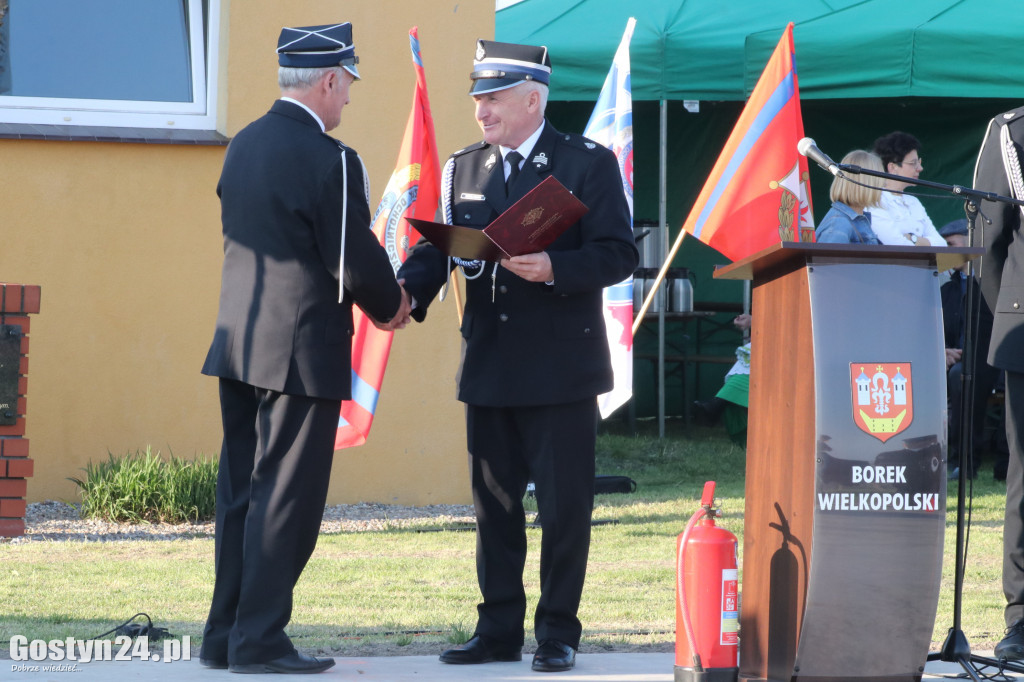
pixel 54 521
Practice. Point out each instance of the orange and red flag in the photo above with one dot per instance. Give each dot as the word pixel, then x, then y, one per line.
pixel 758 192
pixel 412 192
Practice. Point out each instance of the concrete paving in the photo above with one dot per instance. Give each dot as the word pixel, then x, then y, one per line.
pixel 589 668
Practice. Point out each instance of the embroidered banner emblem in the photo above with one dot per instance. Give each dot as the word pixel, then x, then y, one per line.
pixel 883 397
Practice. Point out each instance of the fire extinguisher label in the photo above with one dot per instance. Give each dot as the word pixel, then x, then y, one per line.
pixel 729 634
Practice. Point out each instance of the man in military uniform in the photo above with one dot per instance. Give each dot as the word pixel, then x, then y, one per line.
pixel 1002 283
pixel 297 240
pixel 535 355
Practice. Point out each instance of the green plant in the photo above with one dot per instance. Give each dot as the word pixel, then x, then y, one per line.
pixel 458 633
pixel 146 487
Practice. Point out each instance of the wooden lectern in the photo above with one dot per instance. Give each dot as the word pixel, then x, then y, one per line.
pixel 846 461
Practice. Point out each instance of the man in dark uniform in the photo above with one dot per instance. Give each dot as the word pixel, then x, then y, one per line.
pixel 295 213
pixel 535 355
pixel 1002 282
pixel 953 297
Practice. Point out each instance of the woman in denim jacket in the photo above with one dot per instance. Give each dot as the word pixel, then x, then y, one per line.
pixel 848 221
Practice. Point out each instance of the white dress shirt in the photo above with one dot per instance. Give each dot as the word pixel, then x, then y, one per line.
pixel 901 220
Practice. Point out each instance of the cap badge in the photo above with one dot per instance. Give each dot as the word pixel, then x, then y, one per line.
pixel 480 54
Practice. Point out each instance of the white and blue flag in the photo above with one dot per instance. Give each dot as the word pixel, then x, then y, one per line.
pixel 611 125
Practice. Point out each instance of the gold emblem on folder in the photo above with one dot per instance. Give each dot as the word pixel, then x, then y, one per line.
pixel 532 216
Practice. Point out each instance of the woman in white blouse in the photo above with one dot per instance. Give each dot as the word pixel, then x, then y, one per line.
pixel 900 219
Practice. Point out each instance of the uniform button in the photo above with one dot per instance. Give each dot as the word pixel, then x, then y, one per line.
pixel 1016 305
pixel 466 216
pixel 503 317
pixel 503 289
pixel 586 330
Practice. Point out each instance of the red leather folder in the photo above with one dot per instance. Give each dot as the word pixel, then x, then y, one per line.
pixel 528 226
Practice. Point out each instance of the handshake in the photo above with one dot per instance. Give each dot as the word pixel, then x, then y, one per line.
pixel 401 317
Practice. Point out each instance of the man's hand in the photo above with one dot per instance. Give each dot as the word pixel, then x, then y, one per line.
pixel 401 316
pixel 953 356
pixel 533 267
pixel 742 321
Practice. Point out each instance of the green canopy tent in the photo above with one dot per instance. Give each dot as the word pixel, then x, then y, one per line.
pixel 681 49
pixel 936 68
pixel 912 48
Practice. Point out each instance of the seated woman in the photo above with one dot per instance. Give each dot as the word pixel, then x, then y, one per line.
pixel 900 219
pixel 731 402
pixel 848 221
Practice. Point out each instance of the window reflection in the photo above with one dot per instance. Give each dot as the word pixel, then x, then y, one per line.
pixel 102 49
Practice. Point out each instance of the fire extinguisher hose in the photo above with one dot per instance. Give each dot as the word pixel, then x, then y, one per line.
pixel 680 589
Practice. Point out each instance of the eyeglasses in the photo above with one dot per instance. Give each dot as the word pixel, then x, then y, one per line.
pixel 919 162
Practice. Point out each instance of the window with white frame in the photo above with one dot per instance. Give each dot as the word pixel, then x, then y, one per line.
pixel 127 63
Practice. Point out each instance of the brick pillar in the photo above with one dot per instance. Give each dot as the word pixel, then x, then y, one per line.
pixel 17 301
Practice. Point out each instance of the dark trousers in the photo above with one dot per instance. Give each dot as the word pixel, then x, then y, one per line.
pixel 984 381
pixel 1013 525
pixel 554 446
pixel 275 465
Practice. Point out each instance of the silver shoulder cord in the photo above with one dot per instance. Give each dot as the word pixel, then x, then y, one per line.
pixel 1011 162
pixel 344 214
pixel 344 225
pixel 447 189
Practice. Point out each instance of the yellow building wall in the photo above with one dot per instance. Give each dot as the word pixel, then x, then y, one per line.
pixel 124 240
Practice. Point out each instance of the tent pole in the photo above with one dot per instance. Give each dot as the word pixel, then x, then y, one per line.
pixel 660 291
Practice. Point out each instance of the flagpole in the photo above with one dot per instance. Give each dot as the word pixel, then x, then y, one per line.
pixel 458 295
pixel 663 222
pixel 662 271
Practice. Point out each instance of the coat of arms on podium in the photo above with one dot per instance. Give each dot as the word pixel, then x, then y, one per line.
pixel 883 397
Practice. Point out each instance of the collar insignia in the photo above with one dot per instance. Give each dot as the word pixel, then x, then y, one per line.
pixel 541 159
pixel 491 160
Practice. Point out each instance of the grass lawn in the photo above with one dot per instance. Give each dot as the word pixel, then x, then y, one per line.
pixel 413 590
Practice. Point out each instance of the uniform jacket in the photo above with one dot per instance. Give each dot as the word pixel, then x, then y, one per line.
pixel 1002 274
pixel 280 326
pixel 953 299
pixel 534 343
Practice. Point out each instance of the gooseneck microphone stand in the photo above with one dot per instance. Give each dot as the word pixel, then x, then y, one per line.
pixel 955 649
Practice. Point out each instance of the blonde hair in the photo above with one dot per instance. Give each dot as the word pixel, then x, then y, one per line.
pixel 857 195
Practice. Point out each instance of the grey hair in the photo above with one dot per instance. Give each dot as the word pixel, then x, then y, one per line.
pixel 291 78
pixel 540 89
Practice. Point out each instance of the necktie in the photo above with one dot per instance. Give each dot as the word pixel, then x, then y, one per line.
pixel 513 159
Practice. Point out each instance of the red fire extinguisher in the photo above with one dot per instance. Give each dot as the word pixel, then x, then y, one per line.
pixel 707 598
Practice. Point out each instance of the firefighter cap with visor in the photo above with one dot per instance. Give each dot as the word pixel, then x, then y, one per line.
pixel 498 66
pixel 315 47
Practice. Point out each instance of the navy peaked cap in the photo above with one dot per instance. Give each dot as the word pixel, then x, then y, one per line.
pixel 313 47
pixel 954 227
pixel 503 65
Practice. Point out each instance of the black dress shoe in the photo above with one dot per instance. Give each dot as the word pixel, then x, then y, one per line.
pixel 482 650
pixel 554 657
pixel 1011 648
pixel 291 664
pixel 214 663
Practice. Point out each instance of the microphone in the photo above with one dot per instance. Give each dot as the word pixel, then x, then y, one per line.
pixel 808 148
